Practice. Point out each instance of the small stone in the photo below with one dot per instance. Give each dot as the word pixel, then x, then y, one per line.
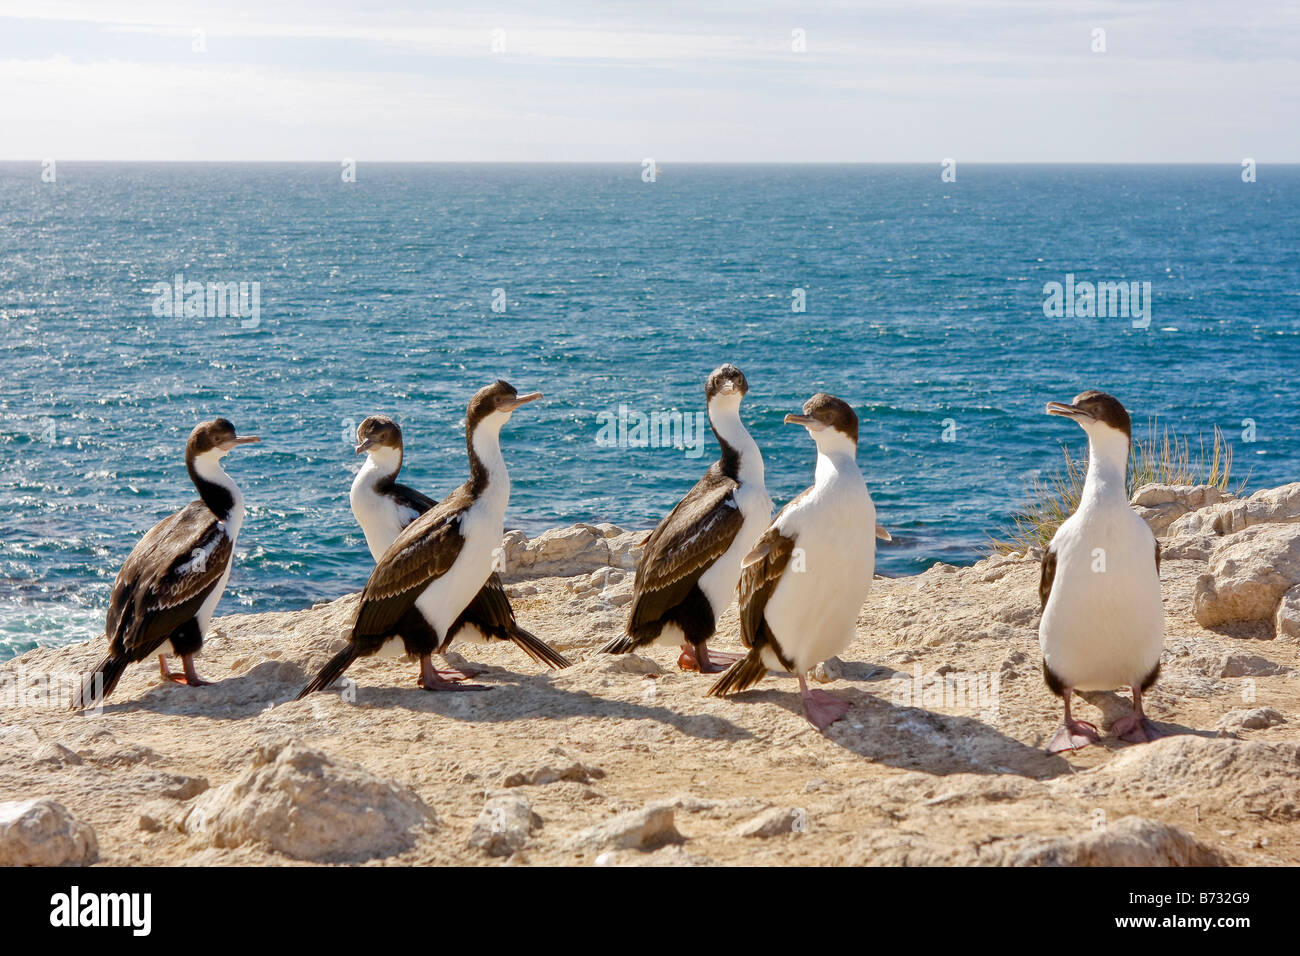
pixel 158 815
pixel 775 822
pixel 645 829
pixel 831 669
pixel 1257 718
pixel 574 771
pixel 43 833
pixel 504 826
pixel 1248 665
pixel 55 754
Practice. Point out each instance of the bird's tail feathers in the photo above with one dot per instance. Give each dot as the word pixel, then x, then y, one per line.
pixel 331 672
pixel 538 649
pixel 99 683
pixel 743 674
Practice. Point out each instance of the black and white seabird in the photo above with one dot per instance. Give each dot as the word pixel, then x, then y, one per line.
pixel 1103 620
pixel 804 583
pixel 436 566
pixel 384 508
pixel 170 584
pixel 690 564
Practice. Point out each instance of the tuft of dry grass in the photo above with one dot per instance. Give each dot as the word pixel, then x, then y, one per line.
pixel 1161 458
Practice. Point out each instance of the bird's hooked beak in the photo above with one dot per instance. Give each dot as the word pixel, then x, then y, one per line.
pixel 365 445
pixel 231 443
pixel 1069 411
pixel 521 400
pixel 807 421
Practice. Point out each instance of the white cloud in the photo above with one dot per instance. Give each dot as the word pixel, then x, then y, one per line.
pixel 993 81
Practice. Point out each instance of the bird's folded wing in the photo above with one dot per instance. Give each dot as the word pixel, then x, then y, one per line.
pixel 1047 576
pixel 760 573
pixel 170 588
pixel 687 542
pixel 490 610
pixel 413 500
pixel 421 554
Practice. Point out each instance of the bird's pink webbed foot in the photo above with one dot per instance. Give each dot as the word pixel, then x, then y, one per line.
pixel 190 677
pixel 1073 735
pixel 821 709
pixel 431 678
pixel 704 660
pixel 1134 727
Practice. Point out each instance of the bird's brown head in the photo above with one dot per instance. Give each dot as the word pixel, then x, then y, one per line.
pixel 215 437
pixel 494 404
pixel 825 413
pixel 726 380
pixel 378 431
pixel 1093 408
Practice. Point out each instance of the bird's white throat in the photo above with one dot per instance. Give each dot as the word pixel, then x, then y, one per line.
pixel 381 463
pixel 1106 481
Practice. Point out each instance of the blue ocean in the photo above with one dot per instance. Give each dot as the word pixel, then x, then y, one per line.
pixel 918 300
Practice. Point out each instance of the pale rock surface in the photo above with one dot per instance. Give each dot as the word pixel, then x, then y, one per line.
pixel 1249 571
pixel 645 829
pixel 504 826
pixel 904 778
pixel 1160 505
pixel 42 832
pixel 1196 534
pixel 578 549
pixel 299 801
pixel 1130 841
pixel 1286 622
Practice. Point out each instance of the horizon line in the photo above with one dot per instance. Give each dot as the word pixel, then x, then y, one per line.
pixel 680 162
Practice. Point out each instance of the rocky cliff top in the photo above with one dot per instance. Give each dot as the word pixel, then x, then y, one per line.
pixel 624 761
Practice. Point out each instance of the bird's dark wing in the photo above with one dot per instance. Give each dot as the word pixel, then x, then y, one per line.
pixel 687 542
pixel 760 572
pixel 165 580
pixel 415 500
pixel 421 554
pixel 490 611
pixel 1048 576
pixel 1157 558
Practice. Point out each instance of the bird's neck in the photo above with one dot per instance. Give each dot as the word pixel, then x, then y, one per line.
pixel 379 470
pixel 216 489
pixel 837 457
pixel 741 460
pixel 487 466
pixel 1107 479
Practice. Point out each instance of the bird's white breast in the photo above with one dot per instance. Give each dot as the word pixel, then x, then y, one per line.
pixel 813 611
pixel 231 528
pixel 381 517
pixel 1103 626
pixel 481 527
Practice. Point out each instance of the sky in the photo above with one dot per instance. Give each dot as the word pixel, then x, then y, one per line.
pixel 1179 81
